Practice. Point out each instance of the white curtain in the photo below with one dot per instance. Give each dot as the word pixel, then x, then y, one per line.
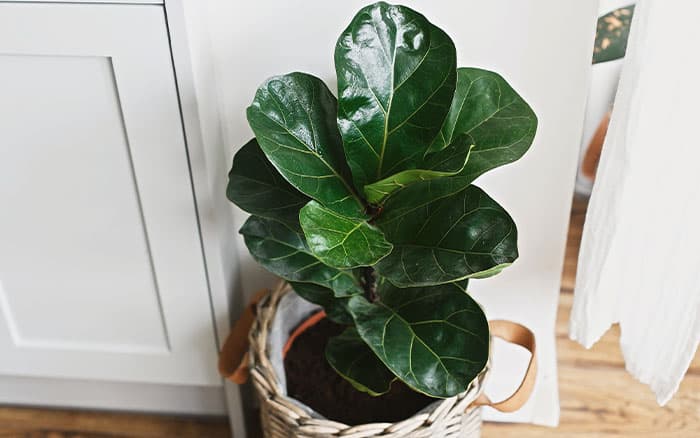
pixel 640 257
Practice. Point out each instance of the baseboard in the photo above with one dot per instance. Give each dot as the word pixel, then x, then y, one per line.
pixel 86 394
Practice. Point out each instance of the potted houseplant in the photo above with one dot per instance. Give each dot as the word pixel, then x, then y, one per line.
pixel 366 206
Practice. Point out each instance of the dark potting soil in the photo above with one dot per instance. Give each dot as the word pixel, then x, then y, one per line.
pixel 311 380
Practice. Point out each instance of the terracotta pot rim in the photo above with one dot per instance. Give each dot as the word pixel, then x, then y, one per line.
pixel 309 322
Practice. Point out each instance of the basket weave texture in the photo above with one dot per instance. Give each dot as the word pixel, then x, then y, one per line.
pixel 282 417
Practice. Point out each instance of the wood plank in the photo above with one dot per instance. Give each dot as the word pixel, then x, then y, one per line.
pixel 608 402
pixel 31 422
pixel 578 215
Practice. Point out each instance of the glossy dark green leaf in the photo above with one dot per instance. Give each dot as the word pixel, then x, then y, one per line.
pixel 489 114
pixel 612 32
pixel 340 241
pixel 256 187
pixel 446 162
pixel 335 307
pixel 444 239
pixel 352 358
pixel 396 78
pixel 435 339
pixel 281 249
pixel 294 120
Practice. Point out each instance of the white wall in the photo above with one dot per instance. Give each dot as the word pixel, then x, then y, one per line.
pixel 542 47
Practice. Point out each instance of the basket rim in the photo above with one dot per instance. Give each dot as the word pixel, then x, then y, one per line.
pixel 270 390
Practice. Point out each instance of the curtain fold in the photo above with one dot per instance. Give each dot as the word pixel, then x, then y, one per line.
pixel 639 264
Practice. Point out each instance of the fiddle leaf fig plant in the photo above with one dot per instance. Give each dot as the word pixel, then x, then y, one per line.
pixel 366 203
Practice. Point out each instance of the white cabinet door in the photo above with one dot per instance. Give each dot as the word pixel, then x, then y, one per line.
pixel 101 267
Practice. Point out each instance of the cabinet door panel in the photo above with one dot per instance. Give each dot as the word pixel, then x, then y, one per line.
pixel 101 268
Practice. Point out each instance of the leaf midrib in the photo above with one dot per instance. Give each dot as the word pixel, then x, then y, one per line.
pixel 317 155
pixel 415 336
pixel 395 89
pixel 304 251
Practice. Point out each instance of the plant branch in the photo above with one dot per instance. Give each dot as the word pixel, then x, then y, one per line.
pixel 369 284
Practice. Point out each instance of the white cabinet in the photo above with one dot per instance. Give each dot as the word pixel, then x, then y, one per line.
pixel 107 271
pixel 101 269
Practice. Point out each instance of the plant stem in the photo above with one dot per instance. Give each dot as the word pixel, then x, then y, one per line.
pixel 373 211
pixel 369 284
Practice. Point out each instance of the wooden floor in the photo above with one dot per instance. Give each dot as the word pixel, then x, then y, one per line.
pixel 598 398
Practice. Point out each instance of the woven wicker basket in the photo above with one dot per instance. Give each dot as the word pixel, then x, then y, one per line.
pixel 283 417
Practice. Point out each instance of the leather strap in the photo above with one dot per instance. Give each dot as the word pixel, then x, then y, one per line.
pixel 233 359
pixel 520 335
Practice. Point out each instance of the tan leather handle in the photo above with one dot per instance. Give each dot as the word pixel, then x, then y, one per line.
pixel 520 335
pixel 233 358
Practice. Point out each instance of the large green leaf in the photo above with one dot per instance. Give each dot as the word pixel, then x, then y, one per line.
pixel 443 239
pixel 281 249
pixel 294 120
pixel 335 307
pixel 486 112
pixel 396 78
pixel 255 186
pixel 352 358
pixel 446 162
pixel 340 241
pixel 435 339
